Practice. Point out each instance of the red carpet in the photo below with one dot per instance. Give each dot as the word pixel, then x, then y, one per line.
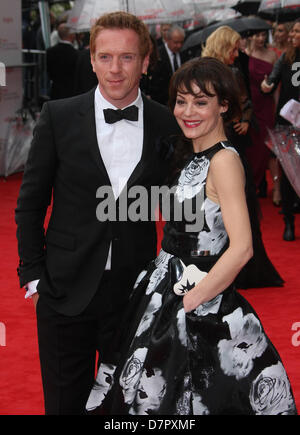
pixel 20 383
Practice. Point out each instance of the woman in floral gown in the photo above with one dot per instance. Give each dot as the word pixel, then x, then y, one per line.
pixel 192 345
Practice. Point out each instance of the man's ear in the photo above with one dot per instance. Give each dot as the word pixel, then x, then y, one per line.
pixel 93 61
pixel 146 64
pixel 224 106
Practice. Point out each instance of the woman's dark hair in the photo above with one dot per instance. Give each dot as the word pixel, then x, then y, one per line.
pixel 207 73
pixel 210 75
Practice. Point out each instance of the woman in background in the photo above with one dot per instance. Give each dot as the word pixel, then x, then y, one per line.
pixel 281 38
pixel 283 74
pixel 223 44
pixel 261 61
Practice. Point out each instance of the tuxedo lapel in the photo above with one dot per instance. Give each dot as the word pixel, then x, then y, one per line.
pixel 89 131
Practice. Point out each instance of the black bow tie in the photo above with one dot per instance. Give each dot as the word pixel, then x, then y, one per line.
pixel 111 116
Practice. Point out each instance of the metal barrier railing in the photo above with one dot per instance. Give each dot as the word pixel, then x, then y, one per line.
pixel 35 78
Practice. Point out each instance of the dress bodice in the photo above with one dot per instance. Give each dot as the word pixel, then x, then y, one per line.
pixel 194 225
pixel 263 104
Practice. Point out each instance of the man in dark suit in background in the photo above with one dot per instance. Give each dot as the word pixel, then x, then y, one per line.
pixel 170 58
pixel 164 27
pixel 85 266
pixel 84 78
pixel 61 64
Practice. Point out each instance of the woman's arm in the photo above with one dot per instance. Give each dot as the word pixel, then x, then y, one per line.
pixel 227 180
pixel 241 126
pixel 270 83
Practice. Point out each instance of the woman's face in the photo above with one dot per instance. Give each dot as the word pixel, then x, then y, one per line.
pixel 233 53
pixel 259 39
pixel 280 34
pixel 295 35
pixel 199 116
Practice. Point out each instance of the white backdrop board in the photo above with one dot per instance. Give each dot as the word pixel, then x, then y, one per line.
pixel 11 32
pixel 11 95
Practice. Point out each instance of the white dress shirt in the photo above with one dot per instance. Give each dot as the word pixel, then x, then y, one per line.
pixel 120 145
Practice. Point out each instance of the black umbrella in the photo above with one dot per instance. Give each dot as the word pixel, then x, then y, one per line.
pixel 279 10
pixel 242 25
pixel 280 15
pixel 247 7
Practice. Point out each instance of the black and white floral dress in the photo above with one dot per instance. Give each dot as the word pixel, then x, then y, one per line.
pixel 214 360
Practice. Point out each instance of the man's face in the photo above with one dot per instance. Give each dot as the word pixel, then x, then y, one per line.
pixel 164 29
pixel 118 65
pixel 176 41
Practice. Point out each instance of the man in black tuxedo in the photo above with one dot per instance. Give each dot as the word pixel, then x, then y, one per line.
pixel 170 58
pixel 85 266
pixel 61 63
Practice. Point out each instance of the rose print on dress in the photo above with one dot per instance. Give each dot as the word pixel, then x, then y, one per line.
pixel 131 374
pixel 181 327
pixel 247 343
pixel 192 178
pixel 148 317
pixel 210 307
pixel 271 392
pixel 150 392
pixel 102 385
pixel 214 239
pixel 159 272
pixel 198 407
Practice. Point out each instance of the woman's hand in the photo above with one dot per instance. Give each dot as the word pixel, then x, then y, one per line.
pixel 241 128
pixel 265 87
pixel 190 301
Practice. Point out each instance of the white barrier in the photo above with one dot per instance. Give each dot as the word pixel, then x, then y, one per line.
pixel 11 80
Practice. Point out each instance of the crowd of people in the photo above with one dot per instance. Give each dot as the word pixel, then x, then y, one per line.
pixel 173 334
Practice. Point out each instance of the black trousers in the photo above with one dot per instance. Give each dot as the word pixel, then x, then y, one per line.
pixel 288 195
pixel 68 348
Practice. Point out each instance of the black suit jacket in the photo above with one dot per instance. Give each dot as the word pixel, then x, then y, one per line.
pixel 159 86
pixel 61 65
pixel 65 160
pixel 283 73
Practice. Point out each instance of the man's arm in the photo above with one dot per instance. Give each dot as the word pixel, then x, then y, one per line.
pixel 34 199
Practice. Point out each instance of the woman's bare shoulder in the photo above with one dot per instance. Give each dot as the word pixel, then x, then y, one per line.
pixel 226 163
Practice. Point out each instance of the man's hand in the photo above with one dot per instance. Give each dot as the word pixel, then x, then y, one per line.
pixel 35 298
